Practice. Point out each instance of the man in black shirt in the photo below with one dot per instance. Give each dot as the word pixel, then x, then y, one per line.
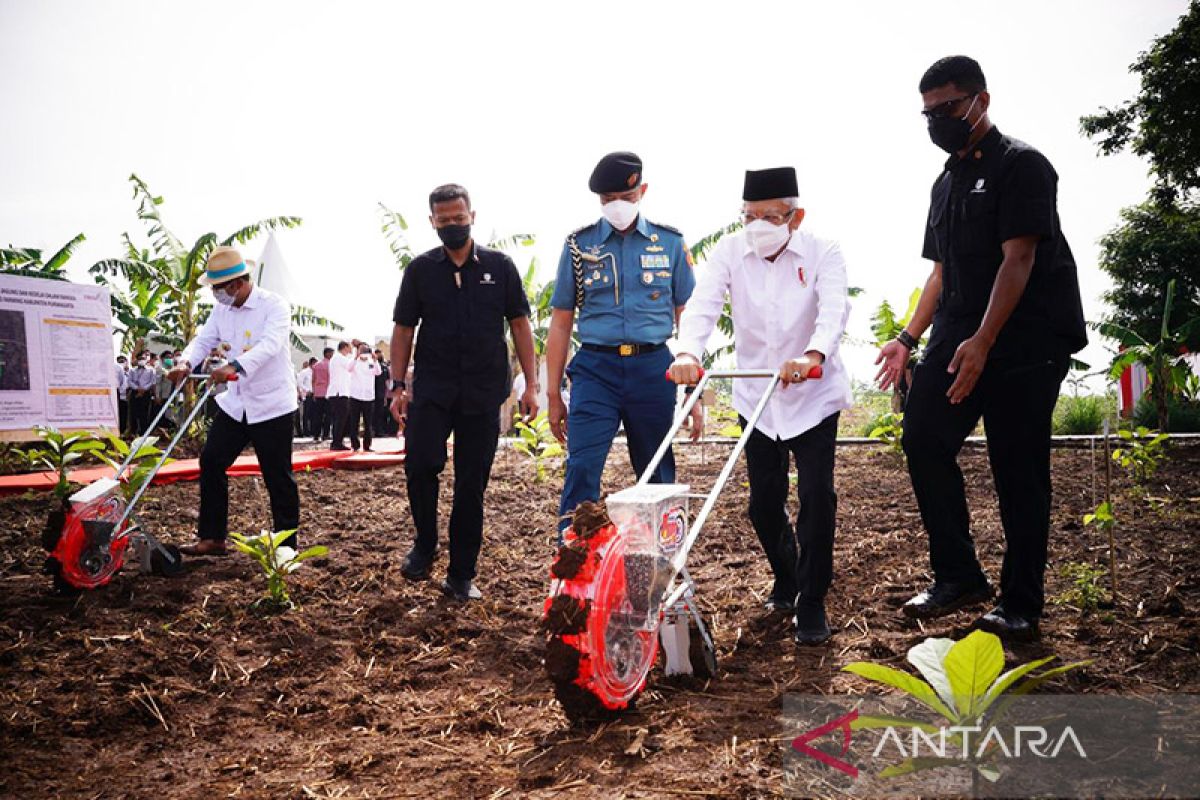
pixel 460 294
pixel 1004 301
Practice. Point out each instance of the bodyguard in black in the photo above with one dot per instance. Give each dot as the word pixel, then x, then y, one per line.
pixel 460 295
pixel 1004 302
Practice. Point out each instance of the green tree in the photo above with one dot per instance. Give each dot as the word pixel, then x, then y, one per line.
pixel 1155 243
pixel 168 263
pixel 28 261
pixel 1160 123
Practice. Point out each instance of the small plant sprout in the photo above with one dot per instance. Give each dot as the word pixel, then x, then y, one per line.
pixel 536 441
pixel 1084 592
pixel 59 451
pixel 277 561
pixel 1141 451
pixel 889 429
pixel 963 685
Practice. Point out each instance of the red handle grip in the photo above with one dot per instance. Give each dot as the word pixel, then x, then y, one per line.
pixel 234 378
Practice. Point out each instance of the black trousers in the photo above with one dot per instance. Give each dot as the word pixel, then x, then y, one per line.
pixel 360 416
pixel 309 407
pixel 801 557
pixel 122 416
pixel 321 418
pixel 227 438
pixel 139 413
pixel 475 437
pixel 382 417
pixel 1015 397
pixel 339 415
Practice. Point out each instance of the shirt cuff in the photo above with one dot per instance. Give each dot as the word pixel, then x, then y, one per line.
pixel 238 368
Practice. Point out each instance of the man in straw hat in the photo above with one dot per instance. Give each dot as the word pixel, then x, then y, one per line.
pixel 252 325
pixel 788 298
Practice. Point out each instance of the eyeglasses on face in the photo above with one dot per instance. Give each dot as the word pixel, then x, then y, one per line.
pixel 773 218
pixel 946 109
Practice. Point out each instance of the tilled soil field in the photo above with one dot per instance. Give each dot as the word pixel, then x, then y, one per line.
pixel 378 687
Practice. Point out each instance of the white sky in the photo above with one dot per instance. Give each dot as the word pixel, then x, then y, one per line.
pixel 234 111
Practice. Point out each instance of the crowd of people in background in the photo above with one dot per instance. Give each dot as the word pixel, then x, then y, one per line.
pixel 353 406
pixel 345 395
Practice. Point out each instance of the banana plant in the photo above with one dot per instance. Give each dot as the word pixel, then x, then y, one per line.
pixel 394 228
pixel 1164 359
pixel 962 684
pixel 27 261
pixel 169 263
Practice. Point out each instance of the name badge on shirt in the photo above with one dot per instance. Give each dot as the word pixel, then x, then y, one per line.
pixel 656 261
pixel 487 280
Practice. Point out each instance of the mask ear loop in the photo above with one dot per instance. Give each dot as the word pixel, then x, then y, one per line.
pixel 964 116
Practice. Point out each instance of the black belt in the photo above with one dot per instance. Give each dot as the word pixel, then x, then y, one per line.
pixel 624 349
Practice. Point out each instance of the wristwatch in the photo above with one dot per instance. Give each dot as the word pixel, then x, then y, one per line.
pixel 399 385
pixel 905 338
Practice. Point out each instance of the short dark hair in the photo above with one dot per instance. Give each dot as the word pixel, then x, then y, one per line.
pixel 327 352
pixel 963 71
pixel 447 192
pixel 343 344
pixel 312 361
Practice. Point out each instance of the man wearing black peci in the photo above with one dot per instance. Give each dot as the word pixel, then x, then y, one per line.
pixel 460 294
pixel 1003 298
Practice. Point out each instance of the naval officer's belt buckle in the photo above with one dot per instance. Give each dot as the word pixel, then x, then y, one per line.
pixel 627 350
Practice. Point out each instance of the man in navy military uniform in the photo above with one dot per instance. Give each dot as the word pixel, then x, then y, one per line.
pixel 628 278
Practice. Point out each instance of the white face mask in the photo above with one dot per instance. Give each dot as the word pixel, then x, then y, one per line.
pixel 619 213
pixel 224 297
pixel 767 239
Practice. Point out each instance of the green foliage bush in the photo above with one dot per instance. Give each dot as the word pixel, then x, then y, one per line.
pixel 1184 416
pixel 1080 415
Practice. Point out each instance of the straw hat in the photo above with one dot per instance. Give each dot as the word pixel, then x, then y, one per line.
pixel 224 264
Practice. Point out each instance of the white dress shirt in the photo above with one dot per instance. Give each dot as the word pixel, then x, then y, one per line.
pixel 304 381
pixel 122 382
pixel 341 368
pixel 781 310
pixel 258 337
pixel 362 379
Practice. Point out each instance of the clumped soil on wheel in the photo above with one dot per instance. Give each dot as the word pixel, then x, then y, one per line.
pixel 379 687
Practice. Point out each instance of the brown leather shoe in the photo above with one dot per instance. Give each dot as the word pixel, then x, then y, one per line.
pixel 205 547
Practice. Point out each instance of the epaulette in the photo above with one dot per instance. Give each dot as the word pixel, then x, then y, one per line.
pixel 583 228
pixel 670 228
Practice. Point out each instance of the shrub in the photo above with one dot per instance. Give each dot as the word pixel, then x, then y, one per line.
pixel 1079 415
pixel 1184 416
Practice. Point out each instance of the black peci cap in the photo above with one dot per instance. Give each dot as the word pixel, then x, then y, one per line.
pixel 616 172
pixel 770 184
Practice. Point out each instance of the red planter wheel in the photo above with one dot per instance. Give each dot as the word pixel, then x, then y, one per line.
pixel 600 646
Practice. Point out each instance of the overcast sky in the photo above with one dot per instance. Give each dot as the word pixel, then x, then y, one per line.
pixel 234 111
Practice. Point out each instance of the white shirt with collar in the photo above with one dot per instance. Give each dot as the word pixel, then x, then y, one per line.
pixel 258 335
pixel 341 368
pixel 362 380
pixel 122 381
pixel 304 381
pixel 781 310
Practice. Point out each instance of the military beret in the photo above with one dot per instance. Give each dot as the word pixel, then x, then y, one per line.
pixel 616 172
pixel 770 184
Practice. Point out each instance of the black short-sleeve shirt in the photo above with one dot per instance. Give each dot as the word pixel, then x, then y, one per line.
pixel 461 354
pixel 1002 189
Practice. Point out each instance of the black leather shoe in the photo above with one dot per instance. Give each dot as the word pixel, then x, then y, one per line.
pixel 1008 625
pixel 415 566
pixel 946 598
pixel 812 627
pixel 777 603
pixel 462 591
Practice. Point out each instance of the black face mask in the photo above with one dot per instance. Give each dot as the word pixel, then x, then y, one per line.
pixel 454 236
pixel 952 133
